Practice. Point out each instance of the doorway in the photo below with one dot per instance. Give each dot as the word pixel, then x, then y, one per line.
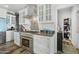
pixel 64 22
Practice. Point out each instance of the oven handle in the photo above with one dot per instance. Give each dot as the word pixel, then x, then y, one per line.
pixel 29 38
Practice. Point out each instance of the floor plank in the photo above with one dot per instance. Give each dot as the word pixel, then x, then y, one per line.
pixel 11 48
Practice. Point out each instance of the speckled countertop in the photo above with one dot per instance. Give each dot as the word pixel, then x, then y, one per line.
pixel 37 33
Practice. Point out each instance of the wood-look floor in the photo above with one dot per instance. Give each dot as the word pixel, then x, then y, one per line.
pixel 68 47
pixel 11 48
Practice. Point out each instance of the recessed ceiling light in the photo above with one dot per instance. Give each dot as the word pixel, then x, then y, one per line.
pixel 6 6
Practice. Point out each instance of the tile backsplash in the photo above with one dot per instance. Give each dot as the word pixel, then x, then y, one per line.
pixel 48 26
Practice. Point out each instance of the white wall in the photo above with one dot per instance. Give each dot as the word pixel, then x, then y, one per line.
pixel 63 14
pixel 77 29
pixel 75 35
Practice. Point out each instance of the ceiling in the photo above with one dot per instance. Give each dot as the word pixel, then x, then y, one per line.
pixel 13 7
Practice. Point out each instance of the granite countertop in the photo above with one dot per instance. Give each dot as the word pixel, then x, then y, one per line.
pixel 39 33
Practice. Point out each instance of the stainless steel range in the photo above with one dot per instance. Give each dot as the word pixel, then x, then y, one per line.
pixel 27 41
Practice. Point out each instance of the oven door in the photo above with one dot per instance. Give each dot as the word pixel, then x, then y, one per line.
pixel 27 43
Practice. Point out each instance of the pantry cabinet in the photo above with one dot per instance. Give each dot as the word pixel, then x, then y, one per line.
pixel 42 44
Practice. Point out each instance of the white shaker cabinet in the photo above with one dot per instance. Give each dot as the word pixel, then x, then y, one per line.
pixel 21 14
pixel 17 40
pixel 9 35
pixel 42 44
pixel 44 12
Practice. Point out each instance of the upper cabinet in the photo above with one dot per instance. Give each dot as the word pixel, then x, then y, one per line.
pixel 22 13
pixel 47 16
pixel 44 12
pixel 3 13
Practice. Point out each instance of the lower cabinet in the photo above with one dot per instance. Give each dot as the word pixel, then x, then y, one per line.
pixel 17 38
pixel 9 35
pixel 42 44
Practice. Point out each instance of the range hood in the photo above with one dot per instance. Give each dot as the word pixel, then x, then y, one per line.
pixel 32 11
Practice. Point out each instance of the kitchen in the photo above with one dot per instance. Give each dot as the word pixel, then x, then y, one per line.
pixel 39 29
pixel 25 29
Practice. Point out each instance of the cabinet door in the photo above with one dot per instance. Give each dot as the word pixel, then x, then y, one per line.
pixel 45 12
pixel 9 35
pixel 41 12
pixel 41 44
pixel 17 38
pixel 21 16
pixel 48 12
